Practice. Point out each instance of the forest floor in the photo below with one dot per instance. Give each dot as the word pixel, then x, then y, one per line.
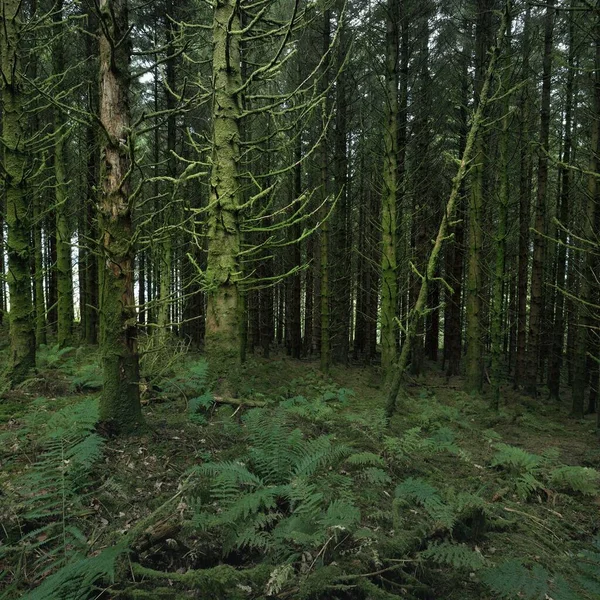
pixel 310 496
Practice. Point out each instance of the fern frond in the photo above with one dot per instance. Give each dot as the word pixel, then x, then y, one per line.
pixel 516 459
pixel 458 556
pixel 580 480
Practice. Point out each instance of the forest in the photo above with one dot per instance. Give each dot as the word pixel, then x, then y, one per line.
pixel 300 299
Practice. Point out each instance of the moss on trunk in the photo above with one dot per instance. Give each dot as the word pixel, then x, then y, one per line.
pixel 120 401
pixel 22 333
pixel 223 275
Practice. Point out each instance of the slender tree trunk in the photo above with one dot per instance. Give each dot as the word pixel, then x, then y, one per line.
pixel 474 284
pixel 537 269
pixel 15 167
pixel 588 276
pixel 64 269
pixel 453 317
pixel 325 347
pixel 432 263
pixel 389 292
pixel 120 401
pixel 524 208
pixel 40 306
pixel 501 235
pixel 556 357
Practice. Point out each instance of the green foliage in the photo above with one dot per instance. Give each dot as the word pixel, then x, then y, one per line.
pixel 516 460
pixel 288 497
pixel 76 580
pixel 55 489
pixel 197 404
pixel 54 357
pixel 188 379
pixel 414 443
pixel 87 377
pixel 581 480
pixel 512 579
pixel 457 556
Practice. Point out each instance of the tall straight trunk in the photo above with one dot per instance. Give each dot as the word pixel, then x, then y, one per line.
pixel 90 250
pixel 453 315
pixel 295 284
pixel 120 400
pixel 524 207
pixel 3 303
pixel 325 348
pixel 165 302
pixel 40 306
pixel 223 235
pixel 537 269
pixel 588 276
pixel 2 268
pixel 389 290
pixel 497 322
pixel 307 344
pixel 15 166
pixel 64 269
pixel 564 201
pixel 474 284
pixel 341 246
pixel 432 263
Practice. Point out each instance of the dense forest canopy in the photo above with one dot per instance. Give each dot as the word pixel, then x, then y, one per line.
pixel 242 204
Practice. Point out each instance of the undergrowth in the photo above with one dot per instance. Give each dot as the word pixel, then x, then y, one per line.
pixel 307 497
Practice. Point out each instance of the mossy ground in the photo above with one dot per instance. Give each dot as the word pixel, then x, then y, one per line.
pixel 139 473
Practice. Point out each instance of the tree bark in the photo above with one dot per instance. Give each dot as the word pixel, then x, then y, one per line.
pixel 15 166
pixel 120 400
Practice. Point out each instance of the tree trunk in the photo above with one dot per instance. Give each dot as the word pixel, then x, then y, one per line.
pixel 432 263
pixel 497 324
pixel 564 174
pixel 389 292
pixel 223 236
pixel 15 167
pixel 474 284
pixel 120 401
pixel 64 269
pixel 537 269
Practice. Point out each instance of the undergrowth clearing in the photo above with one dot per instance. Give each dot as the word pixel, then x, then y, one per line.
pixel 293 487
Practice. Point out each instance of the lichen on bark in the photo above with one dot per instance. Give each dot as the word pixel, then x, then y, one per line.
pixel 223 339
pixel 15 168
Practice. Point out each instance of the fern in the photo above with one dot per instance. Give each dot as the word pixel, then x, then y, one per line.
pixel 458 556
pixel 198 403
pixel 414 491
pixel 55 490
pixel 516 460
pixel 581 480
pixel 287 497
pixel 76 580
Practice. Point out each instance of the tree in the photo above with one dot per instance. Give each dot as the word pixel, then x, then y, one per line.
pixel 388 203
pixel 120 401
pixel 16 165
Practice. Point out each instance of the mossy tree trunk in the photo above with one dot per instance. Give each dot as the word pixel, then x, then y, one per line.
pixel 589 277
pixel 325 345
pixel 389 284
pixel 120 401
pixel 15 168
pixel 499 281
pixel 223 274
pixel 469 154
pixel 564 201
pixel 474 283
pixel 537 268
pixel 64 270
pixel 524 206
pixel 91 261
